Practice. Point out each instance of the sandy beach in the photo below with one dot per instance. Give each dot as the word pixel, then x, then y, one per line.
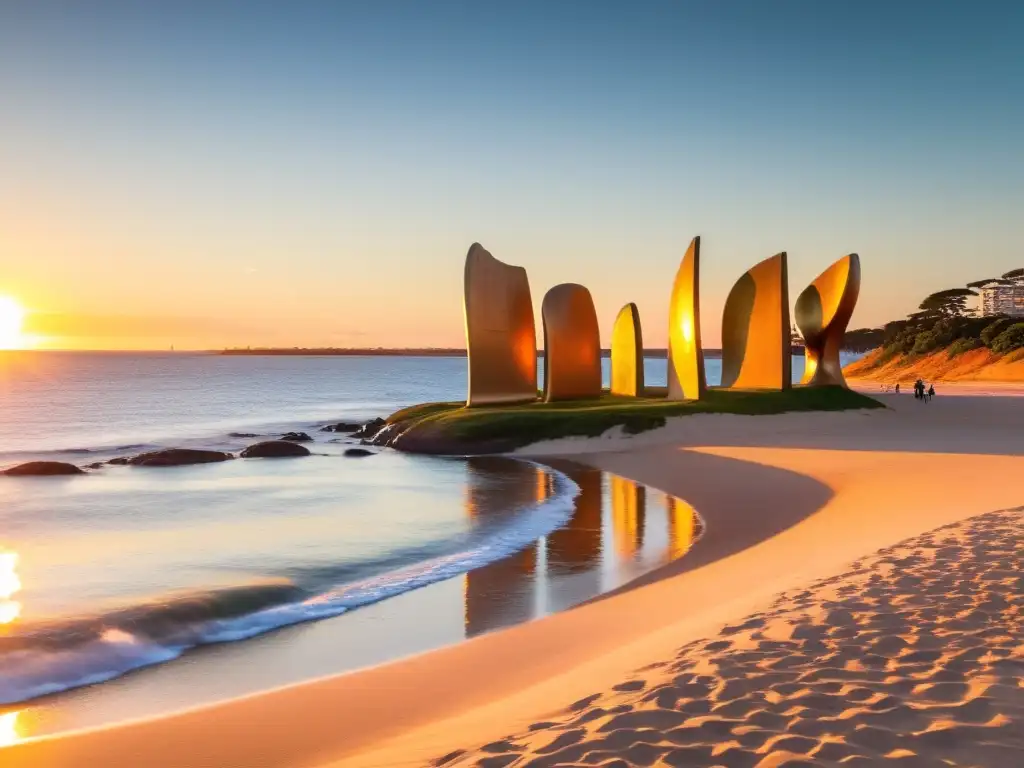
pixel 856 593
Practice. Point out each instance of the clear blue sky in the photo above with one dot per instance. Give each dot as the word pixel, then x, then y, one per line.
pixel 219 173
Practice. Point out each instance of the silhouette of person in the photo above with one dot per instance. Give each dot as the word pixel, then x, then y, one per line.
pixel 931 391
pixel 897 387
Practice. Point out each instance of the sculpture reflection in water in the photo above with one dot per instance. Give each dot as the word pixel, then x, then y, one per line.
pixel 501 339
pixel 756 337
pixel 686 379
pixel 627 353
pixel 629 501
pixel 572 344
pixel 618 531
pixel 823 311
pixel 10 585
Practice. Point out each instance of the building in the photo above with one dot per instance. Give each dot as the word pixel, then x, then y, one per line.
pixel 1003 300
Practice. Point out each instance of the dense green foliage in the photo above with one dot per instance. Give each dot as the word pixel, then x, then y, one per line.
pixel 518 425
pixel 1009 340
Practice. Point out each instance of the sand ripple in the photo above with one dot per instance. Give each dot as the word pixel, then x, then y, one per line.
pixel 913 657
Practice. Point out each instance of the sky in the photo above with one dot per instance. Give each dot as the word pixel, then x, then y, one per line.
pixel 211 174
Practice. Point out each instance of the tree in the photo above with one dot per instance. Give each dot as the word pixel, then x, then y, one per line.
pixel 863 339
pixel 1015 276
pixel 949 303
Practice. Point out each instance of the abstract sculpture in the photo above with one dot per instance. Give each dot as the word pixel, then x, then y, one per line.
pixel 823 311
pixel 756 336
pixel 572 344
pixel 627 353
pixel 501 341
pixel 685 355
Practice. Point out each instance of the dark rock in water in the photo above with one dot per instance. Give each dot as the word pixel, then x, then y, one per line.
pixel 274 449
pixel 296 437
pixel 342 426
pixel 95 465
pixel 370 428
pixel 43 469
pixel 358 452
pixel 174 457
pixel 243 434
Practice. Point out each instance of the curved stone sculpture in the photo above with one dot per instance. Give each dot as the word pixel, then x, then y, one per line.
pixel 686 379
pixel 627 353
pixel 572 344
pixel 501 339
pixel 756 348
pixel 823 311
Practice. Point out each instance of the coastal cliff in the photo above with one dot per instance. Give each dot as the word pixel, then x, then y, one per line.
pixel 943 365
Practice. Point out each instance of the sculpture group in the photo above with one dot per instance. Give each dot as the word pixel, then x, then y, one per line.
pixel 756 342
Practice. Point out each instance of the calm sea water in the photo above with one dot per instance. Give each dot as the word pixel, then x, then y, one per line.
pixel 130 567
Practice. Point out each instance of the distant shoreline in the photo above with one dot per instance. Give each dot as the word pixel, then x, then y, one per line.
pixel 419 352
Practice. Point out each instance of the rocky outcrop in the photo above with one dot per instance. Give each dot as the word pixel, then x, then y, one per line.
pixel 296 437
pixel 358 452
pixel 370 429
pixel 173 457
pixel 274 449
pixel 342 426
pixel 43 469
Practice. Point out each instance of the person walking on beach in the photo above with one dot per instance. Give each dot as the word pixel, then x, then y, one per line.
pixel 897 387
pixel 931 391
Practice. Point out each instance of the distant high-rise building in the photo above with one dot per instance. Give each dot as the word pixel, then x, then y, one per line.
pixel 1003 300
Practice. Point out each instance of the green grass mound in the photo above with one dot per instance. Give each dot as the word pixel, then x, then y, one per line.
pixel 453 428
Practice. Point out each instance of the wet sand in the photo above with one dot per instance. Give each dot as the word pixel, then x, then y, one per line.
pixel 787 500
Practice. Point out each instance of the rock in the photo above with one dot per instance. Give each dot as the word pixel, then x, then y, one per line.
pixel 242 434
pixel 370 428
pixel 358 452
pixel 342 426
pixel 274 449
pixel 174 457
pixel 296 437
pixel 95 465
pixel 43 469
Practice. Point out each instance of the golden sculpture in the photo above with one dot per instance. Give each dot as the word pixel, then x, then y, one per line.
pixel 627 353
pixel 501 340
pixel 686 379
pixel 756 349
pixel 823 311
pixel 572 344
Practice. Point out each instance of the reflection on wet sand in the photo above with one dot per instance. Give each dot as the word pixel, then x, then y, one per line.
pixel 10 585
pixel 628 506
pixel 9 728
pixel 618 531
pixel 682 521
pixel 493 489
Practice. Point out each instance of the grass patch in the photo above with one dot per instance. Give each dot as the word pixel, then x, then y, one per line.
pixel 512 426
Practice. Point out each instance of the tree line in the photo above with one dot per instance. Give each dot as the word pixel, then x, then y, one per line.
pixel 944 321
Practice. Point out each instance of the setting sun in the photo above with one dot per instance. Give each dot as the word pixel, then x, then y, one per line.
pixel 12 315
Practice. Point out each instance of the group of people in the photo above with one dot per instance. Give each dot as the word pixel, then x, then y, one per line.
pixel 921 393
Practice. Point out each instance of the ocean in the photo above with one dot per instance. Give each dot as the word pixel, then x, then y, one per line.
pixel 131 567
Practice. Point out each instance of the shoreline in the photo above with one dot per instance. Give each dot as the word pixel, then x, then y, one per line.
pixel 859 482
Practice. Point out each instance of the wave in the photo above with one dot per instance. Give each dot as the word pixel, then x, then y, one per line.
pixel 49 657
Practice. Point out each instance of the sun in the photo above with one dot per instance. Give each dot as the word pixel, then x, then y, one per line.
pixel 12 315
